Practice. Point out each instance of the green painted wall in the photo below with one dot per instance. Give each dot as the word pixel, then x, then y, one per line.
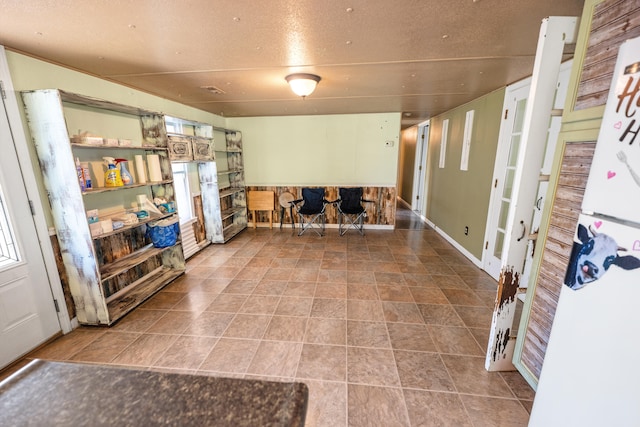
pixel 344 149
pixel 461 198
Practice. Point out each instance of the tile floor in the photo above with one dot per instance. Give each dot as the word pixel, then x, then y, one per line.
pixel 389 329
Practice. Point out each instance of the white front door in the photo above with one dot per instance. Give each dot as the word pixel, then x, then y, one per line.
pixel 515 102
pixel 27 310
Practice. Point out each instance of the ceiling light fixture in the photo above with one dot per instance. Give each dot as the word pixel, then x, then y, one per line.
pixel 302 84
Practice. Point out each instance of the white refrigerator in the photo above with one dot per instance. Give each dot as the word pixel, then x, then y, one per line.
pixel 591 371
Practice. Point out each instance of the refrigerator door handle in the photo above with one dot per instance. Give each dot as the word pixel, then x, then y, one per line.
pixel 524 231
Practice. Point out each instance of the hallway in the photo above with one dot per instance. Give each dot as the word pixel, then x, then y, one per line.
pixel 389 329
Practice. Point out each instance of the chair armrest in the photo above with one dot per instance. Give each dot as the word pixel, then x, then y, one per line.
pixel 367 201
pixel 331 202
pixel 295 202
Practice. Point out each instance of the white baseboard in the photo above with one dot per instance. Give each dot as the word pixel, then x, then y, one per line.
pixel 458 246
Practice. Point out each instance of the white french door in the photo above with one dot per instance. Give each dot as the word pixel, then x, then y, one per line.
pixel 506 166
pixel 27 311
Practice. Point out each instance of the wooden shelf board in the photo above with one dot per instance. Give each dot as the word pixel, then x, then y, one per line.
pixel 130 297
pixel 232 231
pixel 129 227
pixel 125 187
pixel 230 190
pixel 231 212
pixel 127 262
pixel 130 147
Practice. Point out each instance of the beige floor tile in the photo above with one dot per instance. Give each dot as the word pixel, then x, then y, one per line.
pixel 367 334
pixel 518 385
pixel 260 304
pixel 474 317
pixel 106 347
pixel 230 355
pixel 376 406
pixel 187 353
pixel 422 371
pixel 420 280
pixel 300 289
pixel 365 277
pixel 493 412
pixel 286 328
pixel 67 346
pixel 251 273
pixel 227 303
pixel 371 366
pixel 397 293
pixel 332 275
pixel 173 322
pixel 436 409
pixel 139 320
pixel 363 292
pixel 247 326
pixel 481 336
pixel 462 297
pixel 323 362
pixel 404 336
pixel 327 405
pixel 294 306
pixel 329 307
pixel 401 312
pixel 209 324
pixel 145 350
pixel 270 287
pixel 428 295
pixel 237 286
pixel 164 300
pixel 389 278
pixel 440 314
pixel 276 358
pixel 455 340
pixel 331 290
pixel 364 310
pixel 326 331
pixel 470 376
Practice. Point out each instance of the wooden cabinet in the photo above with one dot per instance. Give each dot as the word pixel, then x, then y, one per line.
pixel 230 185
pixel 113 271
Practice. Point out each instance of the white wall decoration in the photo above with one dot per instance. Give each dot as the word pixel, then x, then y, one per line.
pixel 466 141
pixel 443 142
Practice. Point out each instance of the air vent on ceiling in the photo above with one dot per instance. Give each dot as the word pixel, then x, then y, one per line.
pixel 214 90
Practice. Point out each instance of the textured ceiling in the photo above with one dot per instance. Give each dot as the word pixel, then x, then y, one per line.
pixel 418 57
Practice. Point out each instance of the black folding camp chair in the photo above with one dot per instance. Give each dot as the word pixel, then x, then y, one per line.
pixel 311 210
pixel 351 213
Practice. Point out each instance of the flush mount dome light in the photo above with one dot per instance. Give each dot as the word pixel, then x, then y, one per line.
pixel 302 84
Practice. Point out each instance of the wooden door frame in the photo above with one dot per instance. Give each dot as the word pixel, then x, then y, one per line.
pixel 26 162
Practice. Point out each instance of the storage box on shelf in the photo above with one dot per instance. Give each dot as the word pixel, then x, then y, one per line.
pixel 230 177
pixel 113 270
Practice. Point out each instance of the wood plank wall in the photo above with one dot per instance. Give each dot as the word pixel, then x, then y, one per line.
pixel 572 182
pixel 383 212
pixel 613 22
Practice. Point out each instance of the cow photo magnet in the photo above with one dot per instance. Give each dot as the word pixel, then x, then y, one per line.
pixel 603 252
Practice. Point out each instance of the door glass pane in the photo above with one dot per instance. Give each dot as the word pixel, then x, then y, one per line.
pixel 183 193
pixel 513 150
pixel 504 211
pixel 519 121
pixel 497 252
pixel 508 183
pixel 8 248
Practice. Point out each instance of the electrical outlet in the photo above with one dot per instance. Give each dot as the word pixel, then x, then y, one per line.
pixel 466 230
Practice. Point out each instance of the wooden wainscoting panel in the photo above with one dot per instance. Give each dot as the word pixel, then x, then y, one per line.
pixel 574 172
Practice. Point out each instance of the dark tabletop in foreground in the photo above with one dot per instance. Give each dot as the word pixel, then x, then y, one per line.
pixel 69 394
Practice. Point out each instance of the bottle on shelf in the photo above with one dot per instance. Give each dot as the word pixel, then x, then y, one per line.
pixel 112 176
pixel 80 175
pixel 127 179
